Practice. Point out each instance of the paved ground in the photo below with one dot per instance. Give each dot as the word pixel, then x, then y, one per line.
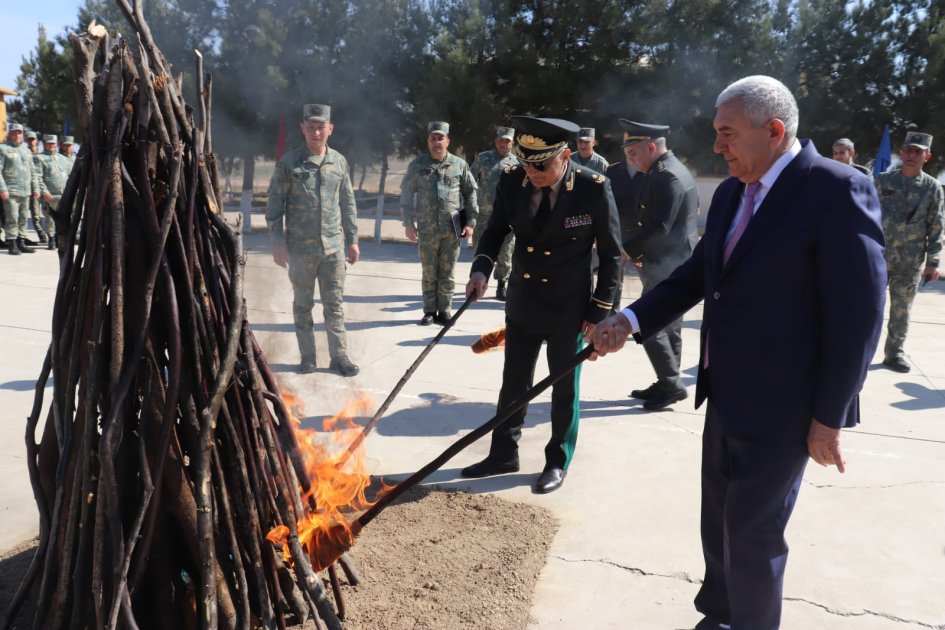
pixel 868 547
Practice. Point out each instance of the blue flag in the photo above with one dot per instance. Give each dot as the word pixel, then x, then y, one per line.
pixel 67 128
pixel 884 155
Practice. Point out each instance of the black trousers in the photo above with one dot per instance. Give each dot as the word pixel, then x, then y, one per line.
pixel 522 346
pixel 749 488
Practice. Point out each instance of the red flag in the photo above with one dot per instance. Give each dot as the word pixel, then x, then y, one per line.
pixel 280 141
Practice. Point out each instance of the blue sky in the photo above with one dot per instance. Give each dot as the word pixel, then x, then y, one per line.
pixel 21 19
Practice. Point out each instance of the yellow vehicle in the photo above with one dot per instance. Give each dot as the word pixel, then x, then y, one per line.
pixel 3 112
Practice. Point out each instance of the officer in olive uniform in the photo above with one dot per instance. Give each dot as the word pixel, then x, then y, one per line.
pixel 626 181
pixel 438 202
pixel 913 220
pixel 586 156
pixel 312 220
pixel 557 210
pixel 486 168
pixel 54 172
pixel 18 184
pixel 36 210
pixel 667 234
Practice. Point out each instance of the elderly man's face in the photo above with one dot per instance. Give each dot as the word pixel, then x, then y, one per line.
pixel 438 142
pixel 553 169
pixel 586 147
pixel 502 146
pixel 843 154
pixel 749 151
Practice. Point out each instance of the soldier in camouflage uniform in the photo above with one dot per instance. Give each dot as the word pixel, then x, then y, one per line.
pixel 586 156
pixel 486 168
pixel 913 219
pixel 18 184
pixel 312 219
pixel 66 145
pixel 54 171
pixel 437 188
pixel 36 205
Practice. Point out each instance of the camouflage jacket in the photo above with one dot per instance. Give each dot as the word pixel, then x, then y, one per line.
pixel 54 171
pixel 486 168
pixel 17 175
pixel 432 192
pixel 596 162
pixel 913 218
pixel 314 202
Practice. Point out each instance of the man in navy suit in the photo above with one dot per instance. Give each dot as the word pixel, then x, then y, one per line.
pixel 791 270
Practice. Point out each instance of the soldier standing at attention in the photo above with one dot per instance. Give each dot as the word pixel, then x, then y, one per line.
pixel 18 184
pixel 32 141
pixel 486 168
pixel 911 202
pixel 586 156
pixel 665 238
pixel 312 219
pixel 67 146
pixel 558 210
pixel 436 187
pixel 54 171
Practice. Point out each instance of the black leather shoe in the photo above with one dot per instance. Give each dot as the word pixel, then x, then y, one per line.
pixel 442 318
pixel 897 364
pixel 344 366
pixel 550 480
pixel 426 320
pixel 500 293
pixel 21 245
pixel 489 467
pixel 662 399
pixel 307 366
pixel 645 394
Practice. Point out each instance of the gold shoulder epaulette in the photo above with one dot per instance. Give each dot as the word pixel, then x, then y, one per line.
pixel 508 168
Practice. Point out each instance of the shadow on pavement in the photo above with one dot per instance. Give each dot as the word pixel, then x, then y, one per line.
pixel 23 386
pixel 922 397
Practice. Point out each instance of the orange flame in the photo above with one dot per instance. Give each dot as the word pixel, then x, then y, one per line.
pixel 336 481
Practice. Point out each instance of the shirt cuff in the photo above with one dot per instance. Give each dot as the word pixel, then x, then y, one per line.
pixel 632 318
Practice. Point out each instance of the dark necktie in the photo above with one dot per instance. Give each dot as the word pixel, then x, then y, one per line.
pixel 544 210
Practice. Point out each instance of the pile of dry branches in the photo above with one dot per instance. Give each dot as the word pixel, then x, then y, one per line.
pixel 167 453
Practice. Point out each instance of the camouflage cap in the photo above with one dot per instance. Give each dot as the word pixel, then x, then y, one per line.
pixel 843 142
pixel 315 112
pixel 917 139
pixel 16 127
pixel 586 133
pixel 67 140
pixel 438 126
pixel 505 132
pixel 50 137
pixel 30 135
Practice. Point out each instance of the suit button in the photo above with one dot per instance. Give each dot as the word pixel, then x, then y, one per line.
pixel 544 279
pixel 573 238
pixel 716 295
pixel 529 249
pixel 640 223
pixel 526 275
pixel 547 253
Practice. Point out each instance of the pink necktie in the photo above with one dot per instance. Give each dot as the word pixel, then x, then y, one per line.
pixel 748 209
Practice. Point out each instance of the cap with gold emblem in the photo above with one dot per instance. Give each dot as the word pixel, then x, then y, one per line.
pixel 506 133
pixel 438 126
pixel 49 137
pixel 316 113
pixel 586 133
pixel 917 139
pixel 541 138
pixel 67 140
pixel 634 132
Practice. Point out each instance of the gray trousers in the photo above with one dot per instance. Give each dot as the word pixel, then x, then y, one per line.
pixel 664 349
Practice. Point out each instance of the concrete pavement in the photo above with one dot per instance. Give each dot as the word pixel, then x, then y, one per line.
pixel 867 547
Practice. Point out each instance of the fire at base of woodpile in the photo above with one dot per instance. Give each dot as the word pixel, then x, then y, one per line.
pixel 167 454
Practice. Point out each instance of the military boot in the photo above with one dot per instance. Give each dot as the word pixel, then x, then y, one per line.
pixel 41 235
pixel 21 244
pixel 500 291
pixel 12 249
pixel 53 243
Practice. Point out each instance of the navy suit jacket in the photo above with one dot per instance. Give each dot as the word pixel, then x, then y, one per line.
pixel 793 318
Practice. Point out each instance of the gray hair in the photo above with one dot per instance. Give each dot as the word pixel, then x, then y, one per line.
pixel 844 142
pixel 763 99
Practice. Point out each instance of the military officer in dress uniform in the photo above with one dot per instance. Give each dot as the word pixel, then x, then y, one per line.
pixel 586 156
pixel 625 180
pixel 557 210
pixel 667 234
pixel 486 168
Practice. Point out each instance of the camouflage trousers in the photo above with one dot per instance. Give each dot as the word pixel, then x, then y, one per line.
pixel 438 254
pixel 37 211
pixel 503 264
pixel 304 270
pixel 50 222
pixel 16 210
pixel 902 288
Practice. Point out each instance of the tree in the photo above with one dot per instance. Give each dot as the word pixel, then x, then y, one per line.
pixel 45 86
